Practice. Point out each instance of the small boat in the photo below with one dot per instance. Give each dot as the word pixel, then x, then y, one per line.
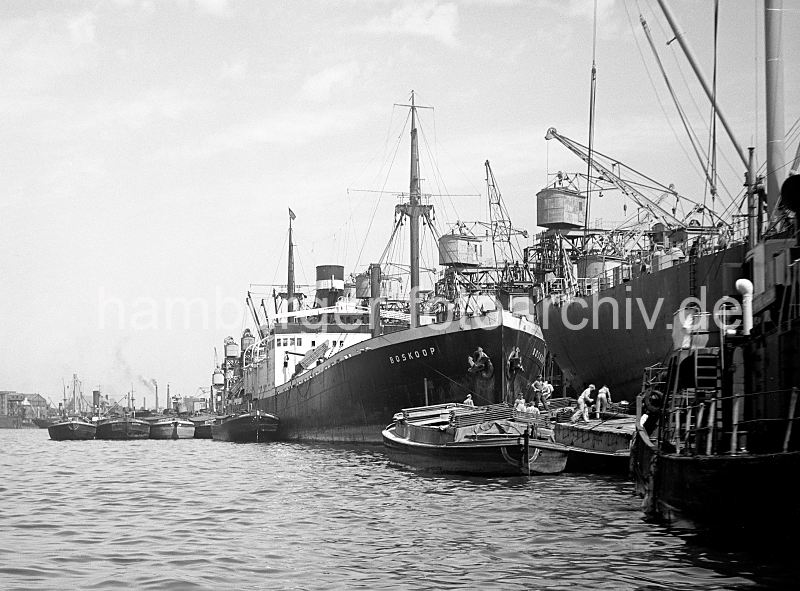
pixel 72 429
pixel 123 428
pixel 465 439
pixel 250 427
pixel 172 428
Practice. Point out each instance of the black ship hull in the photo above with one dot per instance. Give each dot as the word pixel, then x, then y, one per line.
pixel 123 429
pixel 71 431
pixel 247 428
pixel 592 343
pixel 175 429
pixel 746 491
pixel 202 426
pixel 353 395
pixel 203 432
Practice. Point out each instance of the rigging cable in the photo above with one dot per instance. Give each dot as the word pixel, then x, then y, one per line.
pixel 692 136
pixel 693 140
pixel 592 94
pixel 713 147
pixel 383 187
pixel 283 249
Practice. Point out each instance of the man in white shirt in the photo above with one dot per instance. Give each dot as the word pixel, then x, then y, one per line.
pixel 584 400
pixel 603 399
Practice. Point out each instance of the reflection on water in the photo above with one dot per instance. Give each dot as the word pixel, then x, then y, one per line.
pixel 200 514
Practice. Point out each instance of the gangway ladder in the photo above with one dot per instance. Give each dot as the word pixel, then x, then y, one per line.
pixel 708 378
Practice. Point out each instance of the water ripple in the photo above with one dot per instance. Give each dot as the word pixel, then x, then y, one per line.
pixel 205 515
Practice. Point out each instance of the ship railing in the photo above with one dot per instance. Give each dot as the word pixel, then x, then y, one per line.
pixel 704 423
pixel 652 376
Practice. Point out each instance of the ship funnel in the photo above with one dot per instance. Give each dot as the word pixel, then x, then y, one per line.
pixel 330 284
pixel 745 287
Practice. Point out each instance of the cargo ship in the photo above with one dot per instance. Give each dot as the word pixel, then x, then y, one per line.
pixel 607 294
pixel 338 365
pixel 716 444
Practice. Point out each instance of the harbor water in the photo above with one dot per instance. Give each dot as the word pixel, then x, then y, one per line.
pixel 202 514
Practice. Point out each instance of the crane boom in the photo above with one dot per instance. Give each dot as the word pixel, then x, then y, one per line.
pixel 642 200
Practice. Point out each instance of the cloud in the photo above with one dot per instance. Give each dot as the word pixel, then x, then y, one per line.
pixel 40 51
pixel 235 69
pixel 318 87
pixel 137 112
pixel 215 7
pixel 82 28
pixel 428 19
pixel 285 129
pixel 608 26
pixel 585 9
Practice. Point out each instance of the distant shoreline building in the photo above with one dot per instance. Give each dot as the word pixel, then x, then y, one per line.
pixel 18 409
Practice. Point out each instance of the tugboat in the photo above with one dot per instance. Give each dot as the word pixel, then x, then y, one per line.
pixel 72 429
pixel 462 439
pixel 250 427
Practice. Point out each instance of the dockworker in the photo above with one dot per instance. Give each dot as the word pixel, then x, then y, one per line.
pixel 514 366
pixel 468 400
pixel 477 361
pixel 520 404
pixel 583 405
pixel 532 409
pixel 514 363
pixel 537 390
pixel 603 400
pixel 547 392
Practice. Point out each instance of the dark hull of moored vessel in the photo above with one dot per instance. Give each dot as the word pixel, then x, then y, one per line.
pixel 123 429
pixel 609 338
pixel 71 430
pixel 202 427
pixel 172 429
pixel 353 395
pixel 252 427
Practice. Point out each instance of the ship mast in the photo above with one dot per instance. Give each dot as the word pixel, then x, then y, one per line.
pixel 774 81
pixel 413 215
pixel 290 279
pixel 414 209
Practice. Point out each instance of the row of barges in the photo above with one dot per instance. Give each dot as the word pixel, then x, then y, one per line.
pixel 256 426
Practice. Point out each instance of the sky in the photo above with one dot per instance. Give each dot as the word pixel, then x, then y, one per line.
pixel 150 149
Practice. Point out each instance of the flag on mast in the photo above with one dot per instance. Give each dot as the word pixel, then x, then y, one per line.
pixel 291 214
